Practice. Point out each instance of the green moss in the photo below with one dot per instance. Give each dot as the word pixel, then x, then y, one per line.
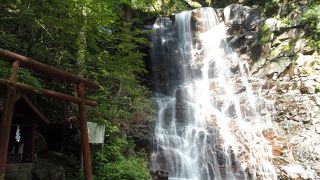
pixel 285 48
pixel 318 88
pixel 288 47
pixel 314 63
pixel 266 34
pixel 285 22
pixel 293 42
pixel 274 52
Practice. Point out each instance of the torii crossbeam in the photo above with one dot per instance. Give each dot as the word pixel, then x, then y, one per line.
pixel 7 112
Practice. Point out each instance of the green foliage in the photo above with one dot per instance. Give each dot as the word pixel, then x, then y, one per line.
pixel 132 168
pixel 168 7
pixel 117 160
pixel 222 4
pixel 173 6
pixel 26 77
pixel 311 18
pixel 112 57
pixel 268 7
pixel 100 40
pixel 23 75
pixel 4 69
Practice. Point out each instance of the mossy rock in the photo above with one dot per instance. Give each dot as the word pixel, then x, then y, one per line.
pixel 277 66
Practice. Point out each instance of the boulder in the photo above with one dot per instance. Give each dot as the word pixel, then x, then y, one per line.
pixel 49 166
pixel 308 87
pixel 142 133
pixel 275 68
pixel 235 14
pixel 291 34
pixel 273 24
pixel 300 45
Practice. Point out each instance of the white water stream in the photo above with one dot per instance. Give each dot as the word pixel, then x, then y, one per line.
pixel 210 117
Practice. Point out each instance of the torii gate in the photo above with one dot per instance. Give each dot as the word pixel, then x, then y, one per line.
pixel 6 118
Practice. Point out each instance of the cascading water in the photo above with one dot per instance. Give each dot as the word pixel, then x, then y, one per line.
pixel 210 118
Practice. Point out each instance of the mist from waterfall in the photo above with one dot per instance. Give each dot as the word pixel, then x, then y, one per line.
pixel 210 116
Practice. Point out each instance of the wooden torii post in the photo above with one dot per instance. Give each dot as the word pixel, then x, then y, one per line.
pixel 6 117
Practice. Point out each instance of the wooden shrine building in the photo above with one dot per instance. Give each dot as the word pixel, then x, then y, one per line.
pixel 21 149
pixel 19 115
pixel 26 116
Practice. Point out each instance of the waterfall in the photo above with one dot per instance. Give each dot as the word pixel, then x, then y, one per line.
pixel 211 117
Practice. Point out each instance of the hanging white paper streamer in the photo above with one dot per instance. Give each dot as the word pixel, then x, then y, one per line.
pixel 18 137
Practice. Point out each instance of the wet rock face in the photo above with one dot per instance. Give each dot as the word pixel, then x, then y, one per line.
pixel 142 133
pixel 243 16
pixel 165 51
pixel 243 25
pixel 278 53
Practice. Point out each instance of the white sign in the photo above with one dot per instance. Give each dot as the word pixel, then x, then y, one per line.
pixel 96 133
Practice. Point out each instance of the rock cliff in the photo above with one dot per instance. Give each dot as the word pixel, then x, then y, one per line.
pixel 278 51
